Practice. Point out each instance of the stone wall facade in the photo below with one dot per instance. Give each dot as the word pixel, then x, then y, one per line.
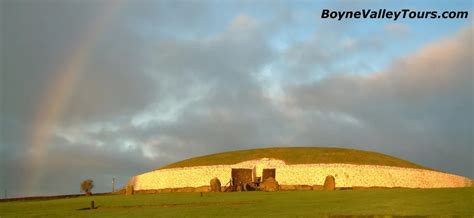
pixel 346 175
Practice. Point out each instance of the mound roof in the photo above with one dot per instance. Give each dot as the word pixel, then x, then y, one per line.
pixel 298 155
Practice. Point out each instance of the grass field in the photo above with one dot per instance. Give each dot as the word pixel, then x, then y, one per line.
pixel 399 202
pixel 298 155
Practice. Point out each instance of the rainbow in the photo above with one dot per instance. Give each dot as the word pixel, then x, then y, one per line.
pixel 58 92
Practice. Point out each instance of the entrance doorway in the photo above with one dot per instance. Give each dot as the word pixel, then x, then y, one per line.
pixel 241 176
pixel 267 173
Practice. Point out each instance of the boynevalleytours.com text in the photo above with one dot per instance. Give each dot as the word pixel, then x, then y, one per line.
pixel 392 14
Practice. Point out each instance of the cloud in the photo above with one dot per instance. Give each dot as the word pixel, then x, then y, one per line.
pixel 165 82
pixel 230 98
pixel 397 29
pixel 129 76
pixel 420 108
pixel 69 164
pixel 339 49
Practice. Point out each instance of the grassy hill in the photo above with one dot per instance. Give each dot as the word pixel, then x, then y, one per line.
pixel 298 155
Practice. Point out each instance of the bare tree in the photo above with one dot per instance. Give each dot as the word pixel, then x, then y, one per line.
pixel 86 186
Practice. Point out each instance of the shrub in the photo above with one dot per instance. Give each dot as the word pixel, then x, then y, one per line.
pixel 86 186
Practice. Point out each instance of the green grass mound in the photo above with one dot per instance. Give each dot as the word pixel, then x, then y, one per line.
pixel 298 155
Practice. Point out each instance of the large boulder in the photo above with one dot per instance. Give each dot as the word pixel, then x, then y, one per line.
pixel 329 183
pixel 269 185
pixel 215 185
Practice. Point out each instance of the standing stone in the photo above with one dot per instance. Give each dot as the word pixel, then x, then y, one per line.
pixel 329 183
pixel 129 190
pixel 215 185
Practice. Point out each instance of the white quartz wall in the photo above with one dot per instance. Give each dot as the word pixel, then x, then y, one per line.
pixel 347 175
pixel 181 177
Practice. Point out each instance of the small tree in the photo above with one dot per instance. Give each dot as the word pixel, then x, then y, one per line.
pixel 86 186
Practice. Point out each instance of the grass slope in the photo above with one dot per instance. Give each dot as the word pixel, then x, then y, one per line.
pixel 406 202
pixel 298 155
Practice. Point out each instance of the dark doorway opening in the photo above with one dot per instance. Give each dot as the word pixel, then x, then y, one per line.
pixel 241 176
pixel 267 173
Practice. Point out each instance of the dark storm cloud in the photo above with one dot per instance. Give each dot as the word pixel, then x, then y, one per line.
pixel 233 103
pixel 41 37
pixel 123 75
pixel 68 164
pixel 37 39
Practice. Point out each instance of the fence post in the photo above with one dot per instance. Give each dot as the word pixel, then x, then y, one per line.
pixel 113 185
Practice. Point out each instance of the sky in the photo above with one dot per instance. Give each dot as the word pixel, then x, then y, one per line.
pixel 111 89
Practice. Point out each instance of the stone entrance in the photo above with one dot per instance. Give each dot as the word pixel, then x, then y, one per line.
pixel 267 173
pixel 241 176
